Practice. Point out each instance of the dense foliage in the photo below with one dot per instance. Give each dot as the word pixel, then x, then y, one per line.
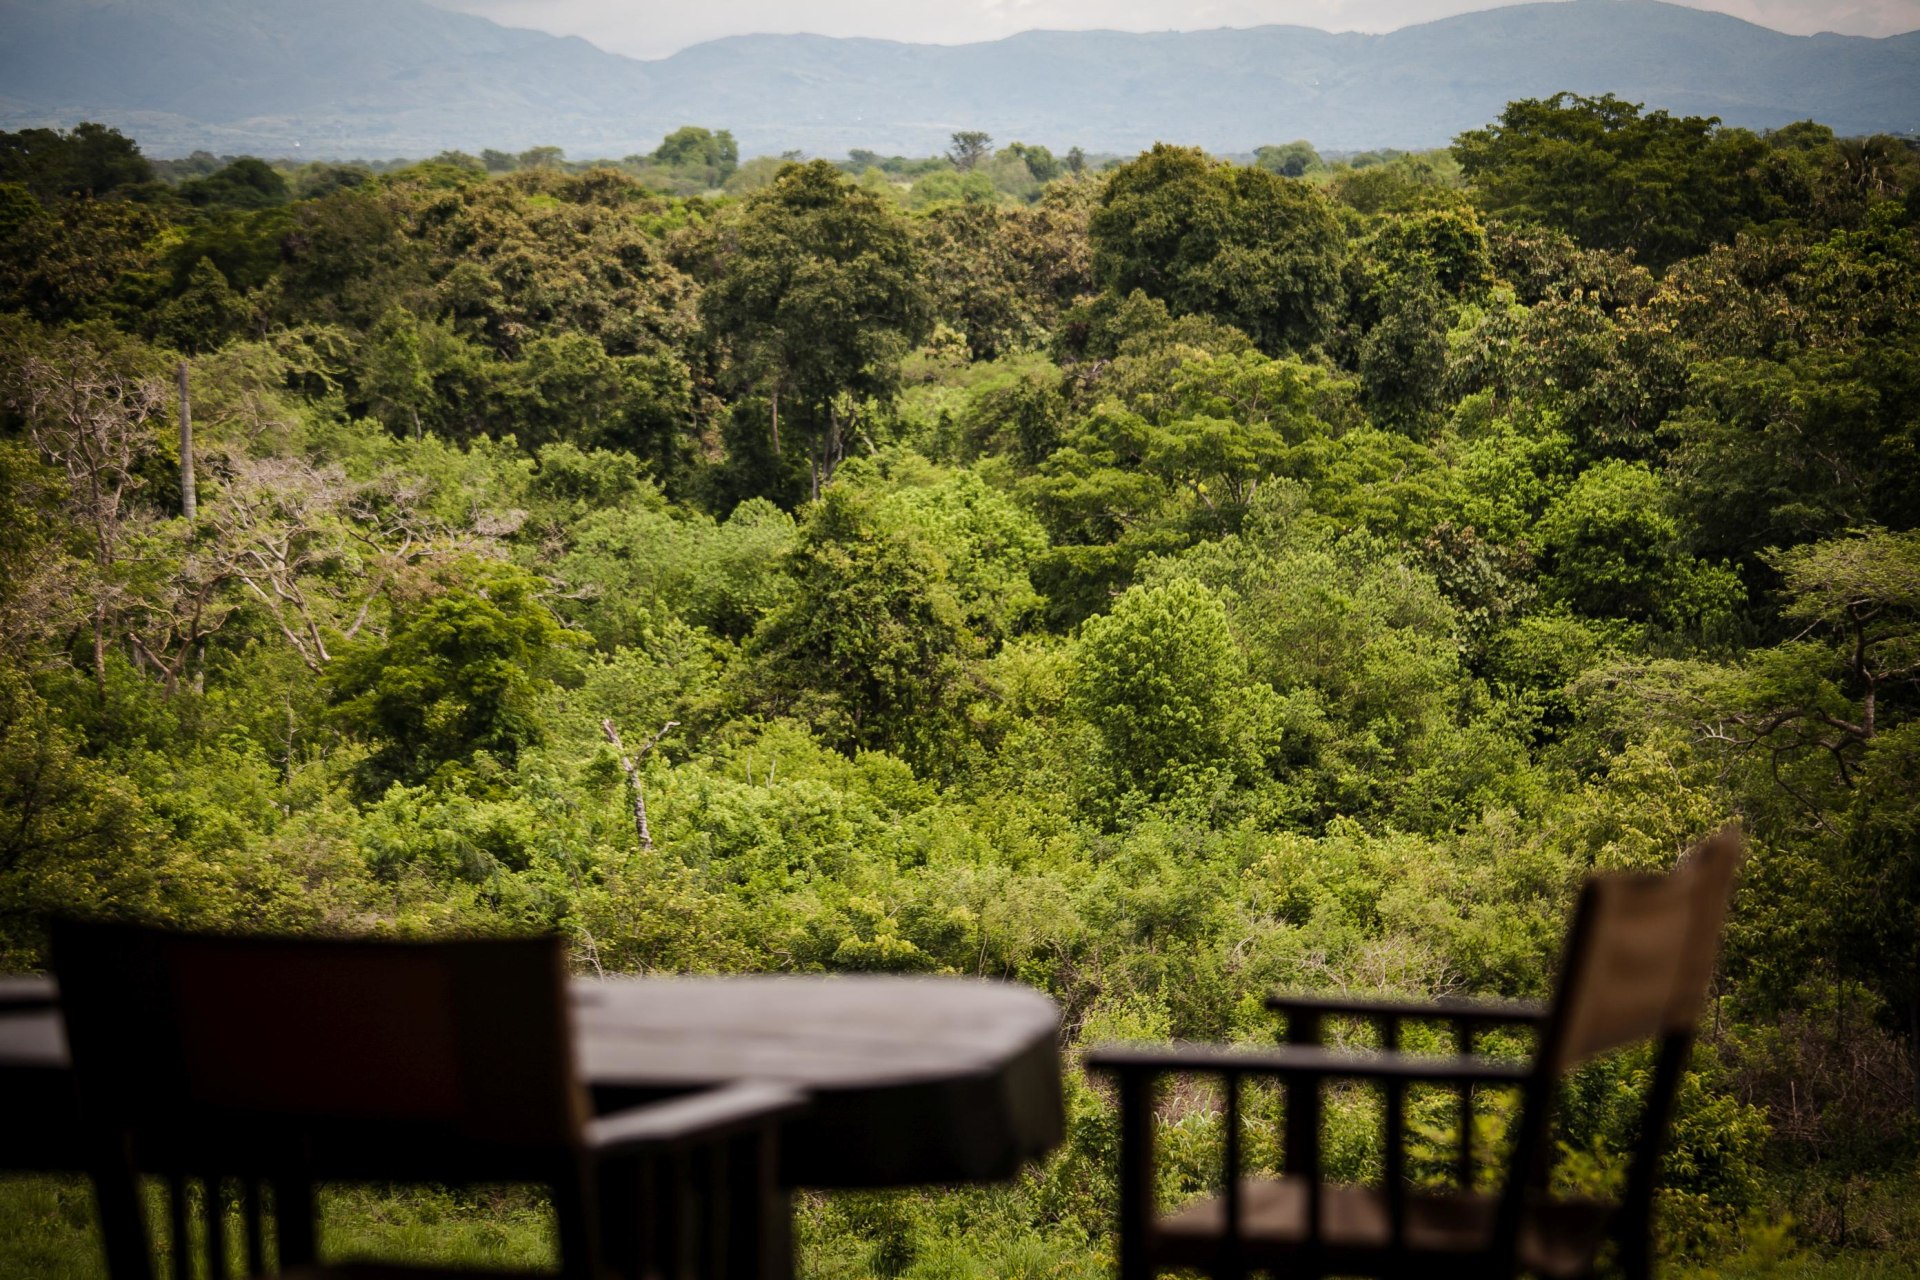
pixel 1190 579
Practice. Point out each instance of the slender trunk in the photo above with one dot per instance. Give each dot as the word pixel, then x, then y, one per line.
pixel 100 648
pixel 835 448
pixel 776 420
pixel 188 499
pixel 630 766
pixel 632 771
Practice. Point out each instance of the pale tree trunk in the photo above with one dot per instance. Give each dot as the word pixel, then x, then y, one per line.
pixel 630 765
pixel 188 499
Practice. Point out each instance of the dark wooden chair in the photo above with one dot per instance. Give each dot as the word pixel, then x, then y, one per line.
pixel 1637 966
pixel 261 1066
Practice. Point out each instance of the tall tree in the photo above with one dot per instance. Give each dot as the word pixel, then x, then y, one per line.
pixel 1289 161
pixel 462 672
pixel 693 147
pixel 970 147
pixel 1597 168
pixel 1242 245
pixel 92 408
pixel 1165 686
pixel 817 297
pixel 872 647
pixel 91 160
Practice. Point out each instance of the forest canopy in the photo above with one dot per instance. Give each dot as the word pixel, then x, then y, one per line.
pixel 1154 582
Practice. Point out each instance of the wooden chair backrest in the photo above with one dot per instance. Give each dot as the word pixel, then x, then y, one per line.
pixel 467 1040
pixel 1638 963
pixel 1641 953
pixel 1626 949
pixel 1711 866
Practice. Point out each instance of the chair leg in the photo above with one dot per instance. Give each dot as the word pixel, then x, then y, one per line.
pixel 775 1260
pixel 180 1226
pixel 624 1221
pixel 758 1211
pixel 1635 1233
pixel 214 1211
pixel 716 1223
pixel 680 1223
pixel 123 1223
pixel 256 1239
pixel 573 1206
pixel 1136 1175
pixel 295 1221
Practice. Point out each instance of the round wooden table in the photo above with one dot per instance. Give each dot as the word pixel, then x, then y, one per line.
pixel 913 1080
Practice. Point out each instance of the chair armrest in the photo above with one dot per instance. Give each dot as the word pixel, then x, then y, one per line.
pixel 1305 1061
pixel 1445 1008
pixel 698 1117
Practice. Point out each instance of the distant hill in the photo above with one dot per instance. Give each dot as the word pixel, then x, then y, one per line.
pixel 399 77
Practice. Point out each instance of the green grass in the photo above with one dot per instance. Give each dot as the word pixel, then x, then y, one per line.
pixel 46 1230
pixel 47 1227
pixel 1856 1265
pixel 47 1233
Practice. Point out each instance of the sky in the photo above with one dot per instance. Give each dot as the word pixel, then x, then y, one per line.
pixel 656 28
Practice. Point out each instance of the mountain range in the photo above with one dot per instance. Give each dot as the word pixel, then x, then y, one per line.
pixel 376 78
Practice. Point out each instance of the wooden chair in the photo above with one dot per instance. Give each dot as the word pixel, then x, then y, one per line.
pixel 1637 966
pixel 276 1063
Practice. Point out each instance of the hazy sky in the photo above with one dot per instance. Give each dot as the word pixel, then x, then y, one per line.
pixel 654 28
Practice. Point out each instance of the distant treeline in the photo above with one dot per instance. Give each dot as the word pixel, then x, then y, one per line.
pixel 691 161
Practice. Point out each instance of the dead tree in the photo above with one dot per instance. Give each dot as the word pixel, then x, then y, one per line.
pixel 632 767
pixel 188 498
pixel 91 418
pixel 315 549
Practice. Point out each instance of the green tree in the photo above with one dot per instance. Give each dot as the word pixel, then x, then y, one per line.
pixel 817 295
pixel 247 183
pixel 394 375
pixel 970 147
pixel 1802 416
pixel 1403 358
pixel 1004 276
pixel 1611 548
pixel 989 543
pixel 461 673
pixel 636 564
pixel 90 160
pixel 1039 160
pixel 953 186
pixel 1245 246
pixel 72 262
pixel 567 387
pixel 1363 647
pixel 1166 688
pixel 693 147
pixel 540 158
pixel 1289 161
pixel 871 647
pixel 207 314
pixel 1600 170
pixel 1819 735
pixel 247 247
pixel 346 257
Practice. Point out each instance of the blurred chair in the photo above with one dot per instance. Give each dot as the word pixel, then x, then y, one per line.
pixel 1637 965
pixel 261 1066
